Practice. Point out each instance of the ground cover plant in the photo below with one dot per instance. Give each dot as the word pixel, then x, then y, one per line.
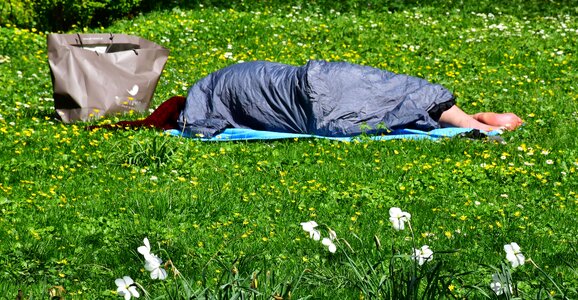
pixel 76 205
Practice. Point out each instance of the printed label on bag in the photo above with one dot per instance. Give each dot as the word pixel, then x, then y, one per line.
pixel 133 91
pixel 130 101
pixel 99 49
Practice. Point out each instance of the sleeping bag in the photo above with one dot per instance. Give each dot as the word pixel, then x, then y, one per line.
pixel 334 99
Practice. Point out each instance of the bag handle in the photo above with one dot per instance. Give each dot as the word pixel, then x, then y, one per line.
pixel 111 38
pixel 80 40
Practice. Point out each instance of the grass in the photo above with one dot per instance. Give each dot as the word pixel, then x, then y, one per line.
pixel 76 204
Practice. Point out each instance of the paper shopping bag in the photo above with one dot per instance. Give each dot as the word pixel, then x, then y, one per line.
pixel 100 74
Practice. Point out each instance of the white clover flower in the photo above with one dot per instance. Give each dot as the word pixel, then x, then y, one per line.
pixel 153 264
pixel 497 285
pixel 422 255
pixel 126 288
pixel 398 218
pixel 310 227
pixel 514 255
pixel 330 245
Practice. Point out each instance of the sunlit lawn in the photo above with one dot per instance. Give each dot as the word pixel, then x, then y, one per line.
pixel 76 204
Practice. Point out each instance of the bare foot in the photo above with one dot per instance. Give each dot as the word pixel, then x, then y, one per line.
pixel 455 117
pixel 508 121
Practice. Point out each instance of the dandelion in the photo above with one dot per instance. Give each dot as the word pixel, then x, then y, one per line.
pixel 330 245
pixel 126 287
pixel 310 227
pixel 397 217
pixel 497 285
pixel 422 255
pixel 514 255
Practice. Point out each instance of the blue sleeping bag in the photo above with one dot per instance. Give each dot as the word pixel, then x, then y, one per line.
pixel 331 99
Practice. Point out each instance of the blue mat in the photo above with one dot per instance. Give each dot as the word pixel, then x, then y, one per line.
pixel 242 134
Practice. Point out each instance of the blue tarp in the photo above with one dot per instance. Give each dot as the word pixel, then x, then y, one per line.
pixel 243 134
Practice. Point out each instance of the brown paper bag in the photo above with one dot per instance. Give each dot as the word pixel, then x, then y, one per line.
pixel 99 74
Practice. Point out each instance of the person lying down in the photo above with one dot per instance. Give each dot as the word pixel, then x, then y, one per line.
pixel 335 99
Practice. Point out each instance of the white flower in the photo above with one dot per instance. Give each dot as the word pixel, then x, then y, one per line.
pixel 146 249
pixel 152 262
pixel 398 218
pixel 422 255
pixel 332 234
pixel 153 265
pixel 126 288
pixel 310 227
pixel 497 285
pixel 514 255
pixel 330 245
pixel 314 234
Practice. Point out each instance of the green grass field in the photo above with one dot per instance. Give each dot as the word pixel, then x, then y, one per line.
pixel 76 204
